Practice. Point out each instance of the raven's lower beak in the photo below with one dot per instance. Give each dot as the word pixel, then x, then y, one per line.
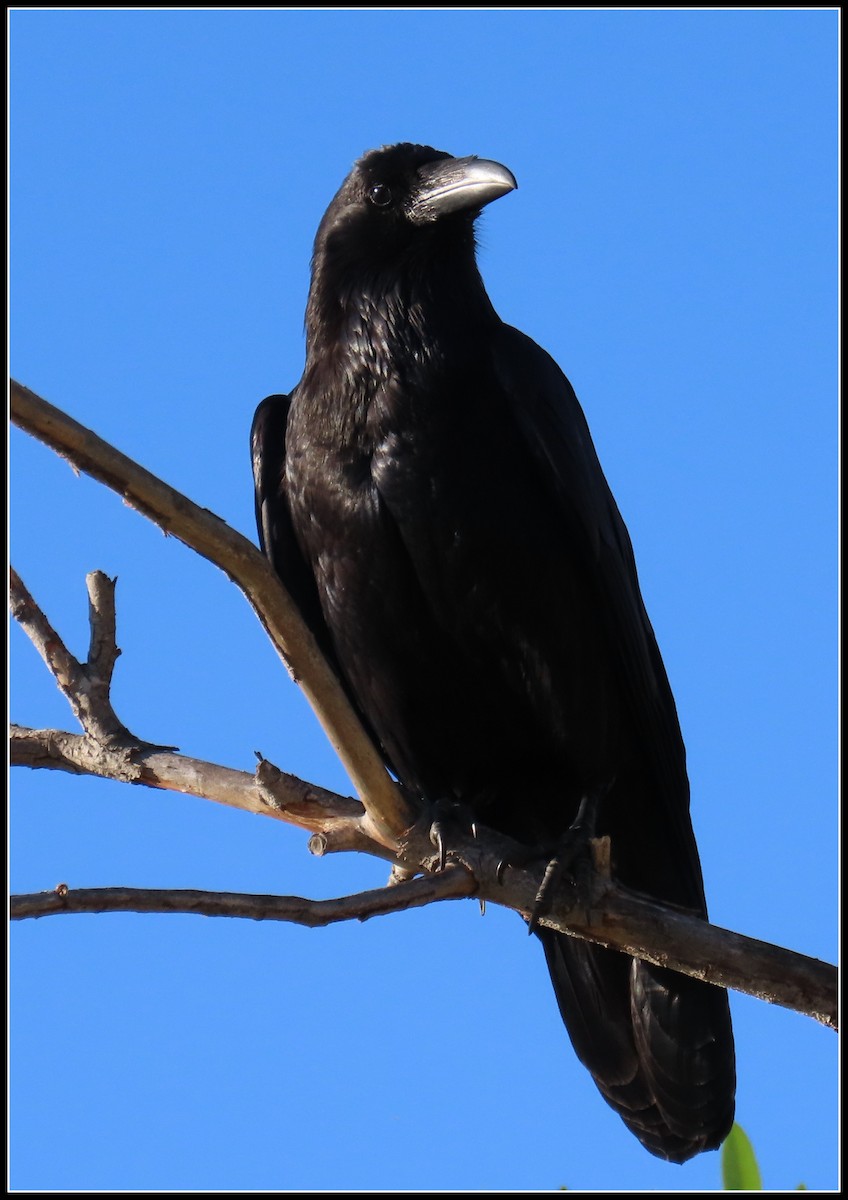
pixel 457 185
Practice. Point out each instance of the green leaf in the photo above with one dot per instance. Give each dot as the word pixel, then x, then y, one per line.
pixel 739 1170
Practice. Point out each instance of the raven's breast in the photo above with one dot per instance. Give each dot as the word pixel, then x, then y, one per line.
pixel 464 627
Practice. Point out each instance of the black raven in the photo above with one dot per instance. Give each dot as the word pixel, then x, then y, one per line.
pixel 430 496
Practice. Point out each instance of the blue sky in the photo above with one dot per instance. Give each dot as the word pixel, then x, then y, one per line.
pixel 673 245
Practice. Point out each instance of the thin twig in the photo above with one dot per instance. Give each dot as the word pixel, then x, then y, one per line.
pixel 103 650
pixel 450 885
pixel 86 686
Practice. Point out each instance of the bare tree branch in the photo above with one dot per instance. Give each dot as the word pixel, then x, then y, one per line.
pixel 451 884
pixel 388 811
pixel 270 792
pixel 615 917
pixel 84 685
pixel 103 650
pixel 612 916
pixel 607 913
pixel 109 750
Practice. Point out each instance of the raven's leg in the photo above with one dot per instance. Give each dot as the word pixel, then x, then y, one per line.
pixel 572 852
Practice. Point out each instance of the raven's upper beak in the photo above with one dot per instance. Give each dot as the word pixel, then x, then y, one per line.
pixel 457 185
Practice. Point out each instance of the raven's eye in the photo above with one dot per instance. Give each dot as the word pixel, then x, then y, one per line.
pixel 380 195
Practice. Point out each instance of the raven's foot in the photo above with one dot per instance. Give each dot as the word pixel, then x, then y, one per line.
pixel 449 814
pixel 573 859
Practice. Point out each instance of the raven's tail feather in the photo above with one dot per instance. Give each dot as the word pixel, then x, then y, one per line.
pixel 658 1044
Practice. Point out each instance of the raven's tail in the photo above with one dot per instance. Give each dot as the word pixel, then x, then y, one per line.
pixel 659 1044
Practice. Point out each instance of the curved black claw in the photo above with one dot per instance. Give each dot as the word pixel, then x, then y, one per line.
pixel 524 856
pixel 448 814
pixel 437 832
pixel 573 852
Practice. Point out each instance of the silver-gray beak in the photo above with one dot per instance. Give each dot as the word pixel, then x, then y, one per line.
pixel 458 185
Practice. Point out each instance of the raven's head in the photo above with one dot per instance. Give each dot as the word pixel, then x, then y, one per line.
pixel 407 199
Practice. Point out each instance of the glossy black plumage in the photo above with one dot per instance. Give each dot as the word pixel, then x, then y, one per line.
pixel 430 495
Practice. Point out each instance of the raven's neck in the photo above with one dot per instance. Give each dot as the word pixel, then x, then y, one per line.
pixel 367 329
